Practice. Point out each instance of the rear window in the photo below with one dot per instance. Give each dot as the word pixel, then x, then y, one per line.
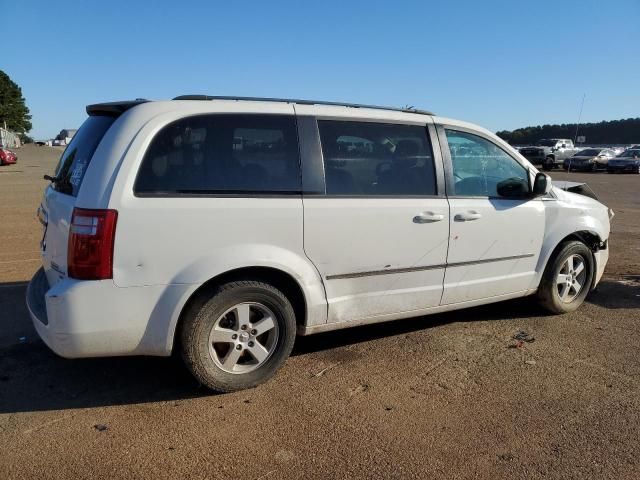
pixel 589 152
pixel 76 157
pixel 209 154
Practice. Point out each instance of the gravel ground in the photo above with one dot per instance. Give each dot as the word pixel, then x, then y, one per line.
pixel 445 396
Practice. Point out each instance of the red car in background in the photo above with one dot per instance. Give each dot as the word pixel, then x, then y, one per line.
pixel 7 157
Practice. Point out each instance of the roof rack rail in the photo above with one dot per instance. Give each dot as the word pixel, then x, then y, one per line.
pixel 301 102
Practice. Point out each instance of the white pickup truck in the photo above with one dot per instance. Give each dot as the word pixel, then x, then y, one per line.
pixel 549 152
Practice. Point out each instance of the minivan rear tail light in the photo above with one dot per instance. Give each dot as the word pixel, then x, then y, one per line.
pixel 91 238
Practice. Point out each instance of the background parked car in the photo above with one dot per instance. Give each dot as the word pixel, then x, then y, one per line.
pixel 628 161
pixel 549 152
pixel 7 157
pixel 590 159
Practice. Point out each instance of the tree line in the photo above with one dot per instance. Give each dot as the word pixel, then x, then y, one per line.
pixel 623 131
pixel 14 113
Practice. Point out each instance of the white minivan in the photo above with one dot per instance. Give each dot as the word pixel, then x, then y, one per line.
pixel 222 227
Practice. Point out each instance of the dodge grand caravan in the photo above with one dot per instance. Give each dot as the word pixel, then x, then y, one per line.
pixel 221 227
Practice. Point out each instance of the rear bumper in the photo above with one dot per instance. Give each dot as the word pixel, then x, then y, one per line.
pixel 79 319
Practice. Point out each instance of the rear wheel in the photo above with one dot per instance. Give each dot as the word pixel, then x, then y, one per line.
pixel 239 337
pixel 567 278
pixel 548 163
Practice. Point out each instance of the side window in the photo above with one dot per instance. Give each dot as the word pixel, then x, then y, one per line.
pixel 222 154
pixel 376 159
pixel 482 169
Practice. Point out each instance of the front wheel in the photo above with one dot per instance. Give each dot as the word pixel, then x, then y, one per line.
pixel 567 278
pixel 239 337
pixel 548 163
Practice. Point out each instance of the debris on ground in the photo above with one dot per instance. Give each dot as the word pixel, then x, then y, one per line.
pixel 100 427
pixel 325 370
pixel 523 336
pixel 530 362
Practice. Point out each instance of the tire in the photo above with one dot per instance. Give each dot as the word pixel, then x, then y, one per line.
pixel 558 297
pixel 213 363
pixel 548 164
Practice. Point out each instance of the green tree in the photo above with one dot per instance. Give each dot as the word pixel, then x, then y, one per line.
pixel 623 131
pixel 13 109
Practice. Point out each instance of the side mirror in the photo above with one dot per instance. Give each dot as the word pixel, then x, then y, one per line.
pixel 541 185
pixel 513 188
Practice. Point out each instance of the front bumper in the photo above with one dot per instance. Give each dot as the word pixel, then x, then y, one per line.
pixel 79 319
pixel 622 168
pixel 580 167
pixel 601 257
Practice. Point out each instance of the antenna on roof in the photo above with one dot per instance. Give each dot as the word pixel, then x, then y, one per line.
pixel 575 139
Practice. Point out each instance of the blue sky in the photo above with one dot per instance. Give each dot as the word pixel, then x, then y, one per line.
pixel 501 64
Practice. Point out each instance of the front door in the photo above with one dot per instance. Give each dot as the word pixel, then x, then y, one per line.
pixel 495 241
pixel 379 233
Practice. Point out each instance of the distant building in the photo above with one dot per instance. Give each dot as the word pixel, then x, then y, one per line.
pixel 66 134
pixel 9 139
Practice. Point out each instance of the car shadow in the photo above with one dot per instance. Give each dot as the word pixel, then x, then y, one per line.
pixel 623 292
pixel 32 378
pixel 507 310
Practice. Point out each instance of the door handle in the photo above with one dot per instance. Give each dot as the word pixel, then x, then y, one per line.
pixel 467 216
pixel 428 217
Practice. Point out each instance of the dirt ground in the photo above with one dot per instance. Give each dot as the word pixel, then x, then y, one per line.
pixel 444 396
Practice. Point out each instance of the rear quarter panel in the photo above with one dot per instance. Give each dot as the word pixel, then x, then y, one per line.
pixel 189 240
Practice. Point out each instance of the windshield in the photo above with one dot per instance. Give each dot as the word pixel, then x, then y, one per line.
pixel 588 152
pixel 76 157
pixel 547 143
pixel 631 153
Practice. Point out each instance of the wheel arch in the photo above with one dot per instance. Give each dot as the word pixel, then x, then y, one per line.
pixel 591 239
pixel 278 278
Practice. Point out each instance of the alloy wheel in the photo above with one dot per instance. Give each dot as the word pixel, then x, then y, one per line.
pixel 571 278
pixel 244 337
